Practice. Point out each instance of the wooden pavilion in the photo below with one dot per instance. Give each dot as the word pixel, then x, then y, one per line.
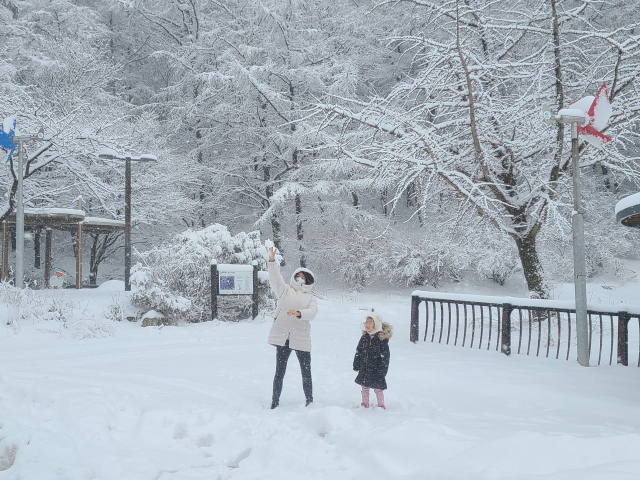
pixel 48 219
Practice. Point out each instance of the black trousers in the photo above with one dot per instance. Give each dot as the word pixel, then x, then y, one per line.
pixel 282 357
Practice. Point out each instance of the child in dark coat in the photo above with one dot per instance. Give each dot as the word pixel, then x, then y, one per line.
pixel 372 358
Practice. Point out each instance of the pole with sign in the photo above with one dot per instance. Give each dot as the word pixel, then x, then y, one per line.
pixel 10 140
pixel 587 117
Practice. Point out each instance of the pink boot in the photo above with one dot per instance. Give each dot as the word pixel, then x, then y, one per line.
pixel 380 398
pixel 365 397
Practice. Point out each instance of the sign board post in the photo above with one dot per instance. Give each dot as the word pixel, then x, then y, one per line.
pixel 215 289
pixel 233 279
pixel 254 303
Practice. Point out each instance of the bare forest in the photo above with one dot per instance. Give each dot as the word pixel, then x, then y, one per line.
pixel 399 141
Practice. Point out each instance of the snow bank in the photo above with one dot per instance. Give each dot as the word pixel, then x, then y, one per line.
pixel 112 286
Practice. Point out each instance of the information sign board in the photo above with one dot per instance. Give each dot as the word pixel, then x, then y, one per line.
pixel 235 279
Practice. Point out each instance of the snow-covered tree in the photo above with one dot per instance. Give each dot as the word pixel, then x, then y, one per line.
pixel 468 122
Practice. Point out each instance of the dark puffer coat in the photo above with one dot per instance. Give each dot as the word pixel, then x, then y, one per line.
pixel 372 358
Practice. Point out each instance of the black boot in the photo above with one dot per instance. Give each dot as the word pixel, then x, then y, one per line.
pixel 308 402
pixel 274 404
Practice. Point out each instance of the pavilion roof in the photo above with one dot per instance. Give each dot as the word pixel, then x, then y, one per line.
pixel 66 219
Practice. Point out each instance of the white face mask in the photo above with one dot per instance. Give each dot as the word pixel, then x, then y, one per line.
pixel 300 280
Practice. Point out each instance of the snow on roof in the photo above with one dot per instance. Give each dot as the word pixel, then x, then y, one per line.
pixel 103 221
pixel 525 302
pixel 627 202
pixel 53 211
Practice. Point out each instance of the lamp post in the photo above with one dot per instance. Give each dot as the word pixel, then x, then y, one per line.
pixel 576 117
pixel 110 154
pixel 19 282
pixel 588 117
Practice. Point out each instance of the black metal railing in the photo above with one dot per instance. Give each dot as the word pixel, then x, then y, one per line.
pixel 542 327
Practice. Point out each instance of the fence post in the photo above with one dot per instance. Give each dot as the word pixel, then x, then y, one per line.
pixel 254 302
pixel 507 308
pixel 215 289
pixel 623 338
pixel 415 318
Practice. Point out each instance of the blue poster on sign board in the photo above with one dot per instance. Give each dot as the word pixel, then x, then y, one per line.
pixel 8 131
pixel 228 282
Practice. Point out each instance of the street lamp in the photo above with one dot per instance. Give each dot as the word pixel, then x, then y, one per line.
pixel 577 117
pixel 20 206
pixel 587 117
pixel 110 154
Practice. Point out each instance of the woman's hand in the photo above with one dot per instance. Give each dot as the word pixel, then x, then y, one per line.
pixel 294 312
pixel 272 253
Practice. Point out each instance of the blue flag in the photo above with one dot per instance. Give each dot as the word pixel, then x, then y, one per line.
pixel 8 130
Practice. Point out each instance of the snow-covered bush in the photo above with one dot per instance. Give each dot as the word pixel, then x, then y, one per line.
pixel 57 313
pixel 61 310
pixel 116 310
pixel 174 279
pixel 10 302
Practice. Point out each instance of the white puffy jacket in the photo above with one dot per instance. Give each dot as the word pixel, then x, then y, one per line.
pixel 297 297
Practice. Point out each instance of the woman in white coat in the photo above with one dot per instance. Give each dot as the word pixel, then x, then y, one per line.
pixel 291 329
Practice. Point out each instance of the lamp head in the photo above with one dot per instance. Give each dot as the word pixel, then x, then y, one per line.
pixel 148 158
pixel 107 153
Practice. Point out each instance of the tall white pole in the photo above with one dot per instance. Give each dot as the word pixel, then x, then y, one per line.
pixel 579 264
pixel 127 224
pixel 20 224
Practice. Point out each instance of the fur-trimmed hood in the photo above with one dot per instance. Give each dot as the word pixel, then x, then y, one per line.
pixel 387 331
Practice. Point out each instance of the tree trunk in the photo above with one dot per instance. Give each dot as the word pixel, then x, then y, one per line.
pixel 276 227
pixel 300 232
pixel 100 250
pixel 531 265
pixel 383 201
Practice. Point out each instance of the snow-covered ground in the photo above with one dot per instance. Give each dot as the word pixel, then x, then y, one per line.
pixel 192 402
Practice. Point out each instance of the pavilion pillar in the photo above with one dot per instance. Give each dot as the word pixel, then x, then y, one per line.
pixel 36 248
pixel 5 252
pixel 47 257
pixel 79 242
